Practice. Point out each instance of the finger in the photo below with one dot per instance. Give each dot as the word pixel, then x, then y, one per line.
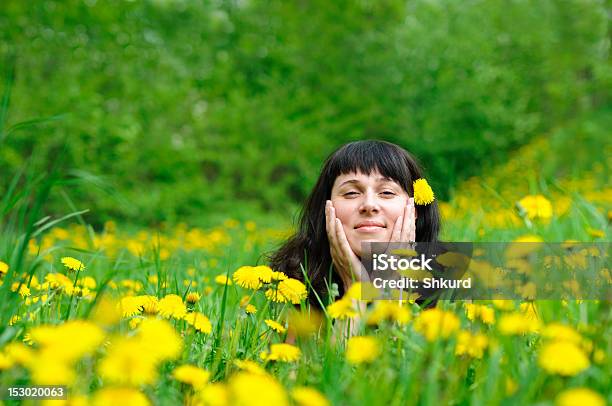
pixel 397 228
pixel 412 222
pixel 406 224
pixel 343 244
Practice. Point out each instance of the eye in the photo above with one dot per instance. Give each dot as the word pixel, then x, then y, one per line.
pixel 388 193
pixel 352 193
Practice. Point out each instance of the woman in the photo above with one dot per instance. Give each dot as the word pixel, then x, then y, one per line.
pixel 364 193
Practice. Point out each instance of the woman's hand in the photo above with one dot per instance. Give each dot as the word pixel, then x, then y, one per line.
pixel 346 262
pixel 404 229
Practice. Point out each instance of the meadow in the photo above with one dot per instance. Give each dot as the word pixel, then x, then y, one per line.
pixel 154 152
pixel 190 315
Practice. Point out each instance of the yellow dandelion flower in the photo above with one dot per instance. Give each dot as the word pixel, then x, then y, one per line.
pixel 172 306
pixel 562 358
pixel 247 277
pixel 243 385
pixel 250 309
pixel 580 397
pixel 472 345
pixel 275 326
pixel 278 276
pixel 517 324
pixel 199 321
pixel 249 366
pixel 264 272
pixel 84 338
pixel 213 394
pixel 595 233
pixel 561 332
pixel 536 207
pixel 149 304
pixel 19 353
pixel 159 339
pixel 24 291
pixel 282 352
pixel 193 298
pixel 482 312
pixel 274 295
pixel 126 363
pixel 5 362
pixel 48 370
pixel 3 268
pixel 87 282
pixel 302 324
pixel 130 306
pixel 436 323
pixel 423 194
pixel 341 309
pixel 387 310
pixel 293 290
pixel 304 396
pixel 223 280
pixel 362 349
pixel 119 397
pixel 192 375
pixel 73 264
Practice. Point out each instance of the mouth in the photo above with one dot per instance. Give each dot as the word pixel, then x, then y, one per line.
pixel 369 226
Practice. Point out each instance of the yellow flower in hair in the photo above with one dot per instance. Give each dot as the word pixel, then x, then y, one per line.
pixel 422 192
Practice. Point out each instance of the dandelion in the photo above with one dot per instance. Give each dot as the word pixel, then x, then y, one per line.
pixel 193 297
pixel 264 272
pixel 128 363
pixel 84 338
pixel 302 324
pixel 275 326
pixel 3 268
pixel 595 233
pixel 250 309
pixel 246 277
pixel 199 321
pixel 282 352
pixel 130 306
pixel 293 290
pixel 517 324
pixel 172 306
pixel 386 310
pixel 423 194
pixel 560 332
pixel 223 280
pixel 536 207
pixel 158 338
pixel 149 304
pixel 579 396
pixel 362 349
pixel 119 397
pixel 73 264
pixel 341 309
pixel 304 396
pixel 5 362
pixel 48 370
pixel 274 295
pixel 192 375
pixel 279 276
pixel 213 394
pixel 562 358
pixel 24 291
pixel 471 344
pixel 249 366
pixel 243 385
pixel 436 323
pixel 484 313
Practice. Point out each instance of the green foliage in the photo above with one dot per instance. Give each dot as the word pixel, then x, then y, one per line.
pixel 180 109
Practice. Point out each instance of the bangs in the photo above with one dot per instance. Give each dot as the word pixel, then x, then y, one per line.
pixel 368 157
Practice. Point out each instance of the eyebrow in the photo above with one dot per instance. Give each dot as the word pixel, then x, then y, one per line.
pixel 353 181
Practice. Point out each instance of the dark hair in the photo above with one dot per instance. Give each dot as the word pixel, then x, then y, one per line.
pixel 309 247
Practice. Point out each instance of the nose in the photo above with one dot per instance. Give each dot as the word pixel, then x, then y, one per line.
pixel 369 204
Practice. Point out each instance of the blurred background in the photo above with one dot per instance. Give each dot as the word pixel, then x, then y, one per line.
pixel 196 111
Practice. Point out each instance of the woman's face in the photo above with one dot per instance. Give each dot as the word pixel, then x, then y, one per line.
pixel 367 206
